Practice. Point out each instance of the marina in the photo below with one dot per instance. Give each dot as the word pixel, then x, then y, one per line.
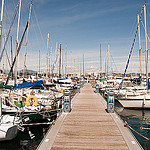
pixel 67 78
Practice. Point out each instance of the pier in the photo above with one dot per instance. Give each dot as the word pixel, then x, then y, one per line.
pixel 89 126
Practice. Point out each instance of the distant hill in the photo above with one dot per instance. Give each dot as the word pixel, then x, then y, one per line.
pixel 20 71
pixel 29 71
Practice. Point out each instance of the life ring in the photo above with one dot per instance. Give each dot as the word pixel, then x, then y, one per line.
pixel 63 91
pixel 28 103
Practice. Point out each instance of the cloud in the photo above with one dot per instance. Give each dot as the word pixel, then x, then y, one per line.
pixel 73 16
pixel 69 8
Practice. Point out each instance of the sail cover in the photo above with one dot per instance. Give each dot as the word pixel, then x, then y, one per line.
pixel 6 86
pixel 28 84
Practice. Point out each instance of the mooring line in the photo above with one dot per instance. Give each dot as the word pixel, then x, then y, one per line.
pixel 129 126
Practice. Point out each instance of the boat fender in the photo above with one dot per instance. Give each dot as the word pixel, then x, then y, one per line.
pixel 26 120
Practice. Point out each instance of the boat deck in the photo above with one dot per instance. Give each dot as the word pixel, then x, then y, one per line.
pixel 88 126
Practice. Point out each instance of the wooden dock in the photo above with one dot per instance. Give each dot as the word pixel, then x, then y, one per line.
pixel 88 126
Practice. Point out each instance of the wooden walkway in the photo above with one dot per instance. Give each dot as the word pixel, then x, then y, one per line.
pixel 87 126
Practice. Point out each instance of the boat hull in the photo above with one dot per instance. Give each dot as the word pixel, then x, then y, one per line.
pixel 136 104
pixel 8 132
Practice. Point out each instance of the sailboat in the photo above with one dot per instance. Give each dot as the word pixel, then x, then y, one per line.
pixel 137 98
pixel 8 128
pixel 8 125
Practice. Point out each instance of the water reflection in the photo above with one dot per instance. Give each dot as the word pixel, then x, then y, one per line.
pixel 23 141
pixel 137 118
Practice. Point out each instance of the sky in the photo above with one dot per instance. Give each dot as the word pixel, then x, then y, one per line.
pixel 80 26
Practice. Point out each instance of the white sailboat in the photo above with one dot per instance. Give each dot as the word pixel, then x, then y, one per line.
pixel 139 99
pixel 8 126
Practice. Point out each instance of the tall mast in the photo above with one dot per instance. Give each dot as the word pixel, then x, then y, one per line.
pixel 100 60
pixel 146 50
pixel 0 106
pixel 108 62
pixel 83 65
pixel 11 50
pixel 57 69
pixel 71 63
pixel 17 42
pixel 111 67
pixel 66 63
pixel 60 62
pixel 3 67
pixel 18 50
pixel 51 61
pixel 27 41
pixel 74 67
pixel 105 68
pixel 11 55
pixel 138 18
pixel 78 66
pixel 39 61
pixel 80 69
pixel 2 9
pixel 4 46
pixel 47 55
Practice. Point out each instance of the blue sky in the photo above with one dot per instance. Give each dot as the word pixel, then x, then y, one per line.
pixel 82 25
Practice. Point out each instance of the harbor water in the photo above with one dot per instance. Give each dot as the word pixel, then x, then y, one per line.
pixel 24 141
pixel 139 120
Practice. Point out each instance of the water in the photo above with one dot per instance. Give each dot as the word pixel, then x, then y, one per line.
pixel 137 118
pixel 23 140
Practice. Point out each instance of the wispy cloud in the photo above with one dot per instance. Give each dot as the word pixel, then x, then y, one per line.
pixel 69 8
pixel 72 17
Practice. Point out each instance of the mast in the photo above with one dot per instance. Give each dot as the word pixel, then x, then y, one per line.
pixel 60 62
pixel 78 66
pixel 83 65
pixel 39 61
pixel 105 67
pixel 51 65
pixel 108 62
pixel 111 67
pixel 57 59
pixel 80 69
pixel 47 55
pixel 66 63
pixel 146 50
pixel 74 66
pixel 100 61
pixel 2 10
pixel 138 18
pixel 3 68
pixel 11 50
pixel 27 41
pixel 0 106
pixel 11 55
pixel 17 42
pixel 9 32
pixel 71 63
pixel 18 50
